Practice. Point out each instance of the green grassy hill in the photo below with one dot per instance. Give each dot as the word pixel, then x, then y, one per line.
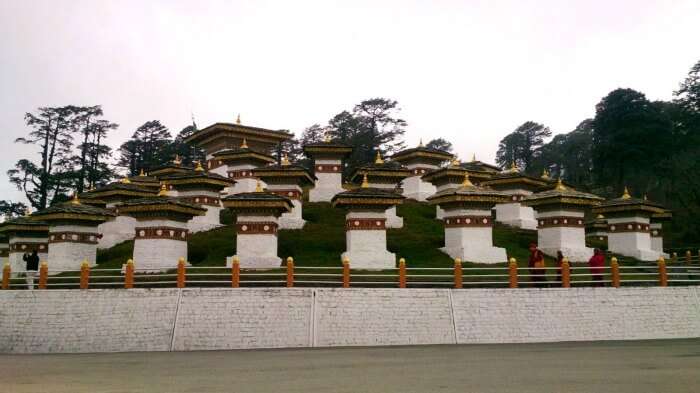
pixel 322 240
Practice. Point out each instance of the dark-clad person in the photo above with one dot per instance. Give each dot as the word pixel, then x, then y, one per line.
pixel 32 266
pixel 536 265
pixel 597 265
pixel 560 260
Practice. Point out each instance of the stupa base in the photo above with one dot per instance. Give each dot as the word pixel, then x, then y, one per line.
pixel 477 255
pixel 256 262
pixel 370 260
pixel 573 254
pixel 642 255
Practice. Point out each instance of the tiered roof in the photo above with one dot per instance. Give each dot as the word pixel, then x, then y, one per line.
pixel 468 195
pixel 561 197
pixel 627 204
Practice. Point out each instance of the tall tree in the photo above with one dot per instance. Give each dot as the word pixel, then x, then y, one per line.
pixel 148 147
pixel 92 131
pixel 10 209
pixel 521 146
pixel 439 144
pixel 188 153
pixel 51 131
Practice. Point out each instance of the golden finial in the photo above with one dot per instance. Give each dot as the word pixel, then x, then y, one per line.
pixel 258 187
pixel 626 194
pixel 420 143
pixel 513 168
pixel 125 180
pixel 163 190
pixel 473 157
pixel 645 197
pixel 600 217
pixel 75 200
pixel 545 174
pixel 466 182
pixel 244 144
pixel 177 160
pixel 141 173
pixel 327 138
pixel 365 183
pixel 28 212
pixel 285 160
pixel 378 160
pixel 455 161
pixel 238 119
pixel 199 167
pixel 560 186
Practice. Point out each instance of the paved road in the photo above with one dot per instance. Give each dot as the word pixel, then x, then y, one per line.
pixel 639 366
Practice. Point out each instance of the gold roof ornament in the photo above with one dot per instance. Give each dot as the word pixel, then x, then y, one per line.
pixel 28 212
pixel 163 190
pixel 238 119
pixel 378 160
pixel 177 160
pixel 420 143
pixel 258 187
pixel 244 144
pixel 285 160
pixel 327 138
pixel 365 182
pixel 141 174
pixel 545 174
pixel 600 216
pixel 75 200
pixel 455 161
pixel 645 197
pixel 560 186
pixel 199 167
pixel 466 182
pixel 513 168
pixel 473 157
pixel 125 180
pixel 626 194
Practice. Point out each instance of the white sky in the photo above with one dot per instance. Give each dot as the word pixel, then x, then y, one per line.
pixel 468 71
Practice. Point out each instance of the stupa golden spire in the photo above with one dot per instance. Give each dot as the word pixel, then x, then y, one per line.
pixel 420 143
pixel 125 180
pixel 285 160
pixel 258 187
pixel 560 186
pixel 199 167
pixel 378 160
pixel 626 194
pixel 177 160
pixel 141 173
pixel 365 183
pixel 466 182
pixel 473 157
pixel 238 119
pixel 75 200
pixel 244 144
pixel 545 174
pixel 163 190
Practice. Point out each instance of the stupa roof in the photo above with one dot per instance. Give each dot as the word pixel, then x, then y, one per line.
pixel 168 169
pixel 197 177
pixel 390 171
pixel 74 211
pixel 160 204
pixel 118 188
pixel 284 172
pixel 327 148
pixel 422 153
pixel 258 200
pixel 221 135
pixel 367 197
pixel 24 224
pixel 600 222
pixel 562 195
pixel 515 179
pixel 243 153
pixel 468 193
pixel 451 174
pixel 628 203
pixel 665 216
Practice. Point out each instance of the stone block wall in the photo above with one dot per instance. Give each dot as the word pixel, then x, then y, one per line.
pixel 111 320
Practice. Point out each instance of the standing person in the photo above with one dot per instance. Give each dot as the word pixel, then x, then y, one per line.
pixel 536 264
pixel 596 265
pixel 560 259
pixel 32 266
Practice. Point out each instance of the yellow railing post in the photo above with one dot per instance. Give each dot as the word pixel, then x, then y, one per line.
pixel 674 257
pixel 129 274
pixel 512 273
pixel 6 276
pixel 43 274
pixel 84 274
pixel 663 276
pixel 689 257
pixel 290 272
pixel 346 272
pixel 235 272
pixel 615 272
pixel 458 273
pixel 565 273
pixel 402 273
pixel 181 273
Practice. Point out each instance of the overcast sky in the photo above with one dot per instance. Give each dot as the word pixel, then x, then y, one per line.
pixel 468 71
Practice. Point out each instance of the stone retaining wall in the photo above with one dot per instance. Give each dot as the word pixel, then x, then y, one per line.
pixel 114 320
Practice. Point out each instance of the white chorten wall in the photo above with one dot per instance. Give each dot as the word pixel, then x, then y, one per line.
pixel 293 219
pixel 159 244
pixel 469 236
pixel 515 214
pixel 21 245
pixel 329 180
pixel 414 187
pixel 115 231
pixel 392 219
pixel 630 236
pixel 563 230
pixel 209 200
pixel 243 175
pixel 657 237
pixel 256 242
pixel 70 245
pixel 365 239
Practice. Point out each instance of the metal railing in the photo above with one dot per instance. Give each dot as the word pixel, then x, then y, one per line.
pixel 684 271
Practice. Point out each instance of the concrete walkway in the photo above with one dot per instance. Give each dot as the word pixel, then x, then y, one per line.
pixel 634 366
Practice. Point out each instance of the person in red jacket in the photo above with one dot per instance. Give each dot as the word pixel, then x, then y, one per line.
pixel 596 265
pixel 536 265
